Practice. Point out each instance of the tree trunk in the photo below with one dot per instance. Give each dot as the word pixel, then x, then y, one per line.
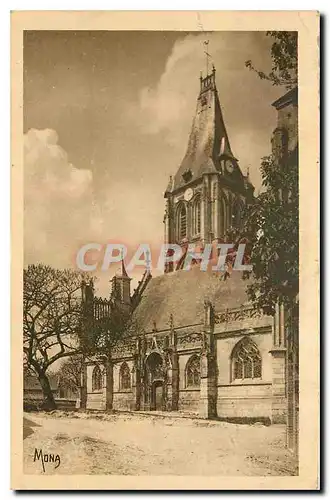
pixel 83 388
pixel 109 384
pixel 49 401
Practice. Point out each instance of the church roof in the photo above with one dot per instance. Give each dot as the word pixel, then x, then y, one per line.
pixel 182 293
pixel 290 97
pixel 208 137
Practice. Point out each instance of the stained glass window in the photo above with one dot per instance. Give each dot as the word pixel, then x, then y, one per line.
pixel 193 372
pixel 124 377
pixel 97 379
pixel 246 360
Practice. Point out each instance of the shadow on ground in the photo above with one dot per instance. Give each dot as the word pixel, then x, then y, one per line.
pixel 27 427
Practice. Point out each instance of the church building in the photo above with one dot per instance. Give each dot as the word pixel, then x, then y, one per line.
pixel 196 345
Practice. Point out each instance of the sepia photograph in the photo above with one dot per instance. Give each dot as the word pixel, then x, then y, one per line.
pixel 160 305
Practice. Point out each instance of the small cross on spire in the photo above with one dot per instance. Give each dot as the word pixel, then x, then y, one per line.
pixel 206 44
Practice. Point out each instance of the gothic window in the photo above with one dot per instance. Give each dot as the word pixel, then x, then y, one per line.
pixel 97 379
pixel 246 361
pixel 182 222
pixel 193 372
pixel 197 216
pixel 124 377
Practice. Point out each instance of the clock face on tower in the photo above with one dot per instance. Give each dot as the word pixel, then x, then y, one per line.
pixel 188 194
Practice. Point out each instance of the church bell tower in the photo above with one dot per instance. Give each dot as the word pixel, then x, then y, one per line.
pixel 206 197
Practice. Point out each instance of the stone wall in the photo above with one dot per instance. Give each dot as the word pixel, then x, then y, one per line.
pixel 189 400
pixel 261 398
pixel 245 399
pixel 95 401
pixel 123 401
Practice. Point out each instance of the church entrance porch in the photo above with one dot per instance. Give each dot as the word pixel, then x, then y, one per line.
pixel 154 383
pixel 157 395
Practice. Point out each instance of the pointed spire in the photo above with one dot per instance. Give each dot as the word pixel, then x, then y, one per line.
pixel 206 45
pixel 122 273
pixel 120 284
pixel 123 269
pixel 169 185
pixel 208 142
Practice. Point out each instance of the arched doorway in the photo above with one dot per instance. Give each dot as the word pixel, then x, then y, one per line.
pixel 154 382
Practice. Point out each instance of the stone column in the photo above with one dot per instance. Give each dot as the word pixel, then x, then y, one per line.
pixel 216 212
pixel 83 387
pixel 292 336
pixel 278 352
pixel 175 381
pixel 168 230
pixel 175 369
pixel 208 393
pixel 207 208
pixel 136 387
pixel 136 382
pixel 109 384
pixel 143 374
pixel 165 394
pixel 169 393
pixel 203 221
pixel 208 386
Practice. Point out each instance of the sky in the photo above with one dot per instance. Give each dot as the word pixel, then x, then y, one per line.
pixel 107 117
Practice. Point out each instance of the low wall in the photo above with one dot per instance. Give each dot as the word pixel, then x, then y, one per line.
pixel 66 404
pixel 123 401
pixel 95 401
pixel 245 401
pixel 189 400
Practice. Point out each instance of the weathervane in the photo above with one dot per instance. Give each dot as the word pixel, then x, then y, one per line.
pixel 206 43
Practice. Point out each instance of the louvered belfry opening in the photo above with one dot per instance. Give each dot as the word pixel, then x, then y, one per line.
pixel 183 222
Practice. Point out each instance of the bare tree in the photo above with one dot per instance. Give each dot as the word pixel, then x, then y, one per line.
pixel 108 331
pixel 51 320
pixel 69 374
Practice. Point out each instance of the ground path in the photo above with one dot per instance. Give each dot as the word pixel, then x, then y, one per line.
pixel 153 445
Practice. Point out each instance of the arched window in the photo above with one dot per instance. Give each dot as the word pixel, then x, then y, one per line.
pixel 124 377
pixel 246 360
pixel 97 379
pixel 182 222
pixel 193 372
pixel 197 216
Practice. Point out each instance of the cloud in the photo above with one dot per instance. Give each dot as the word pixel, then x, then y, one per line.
pixel 61 212
pixel 58 201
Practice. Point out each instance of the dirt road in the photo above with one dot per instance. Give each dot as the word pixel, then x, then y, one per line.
pixel 151 445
